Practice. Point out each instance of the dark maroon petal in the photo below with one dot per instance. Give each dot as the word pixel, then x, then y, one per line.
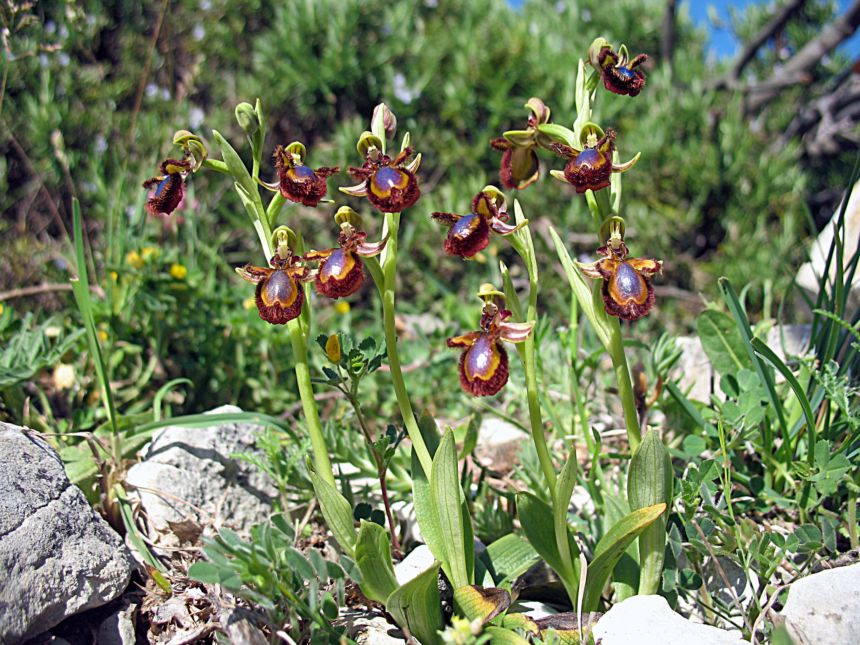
pixel 484 367
pixel 340 274
pixel 623 80
pixel 279 298
pixel 589 170
pixel 468 236
pixel 393 196
pixel 169 191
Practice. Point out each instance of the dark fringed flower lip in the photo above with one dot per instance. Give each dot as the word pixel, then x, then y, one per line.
pixel 298 182
pixel 483 366
pixel 619 75
pixel 341 271
pixel 591 168
pixel 169 187
pixel 627 290
pixel 279 295
pixel 468 234
pixel 389 184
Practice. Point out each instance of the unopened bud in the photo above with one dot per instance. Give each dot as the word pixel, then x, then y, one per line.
pixel 247 118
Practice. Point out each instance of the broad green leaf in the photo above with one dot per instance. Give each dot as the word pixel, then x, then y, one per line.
pixel 447 498
pixel 337 513
pixel 417 607
pixel 506 559
pixel 235 165
pixel 422 496
pixel 481 602
pixel 502 636
pixel 537 521
pixel 612 546
pixel 722 342
pixel 373 557
pixel 649 481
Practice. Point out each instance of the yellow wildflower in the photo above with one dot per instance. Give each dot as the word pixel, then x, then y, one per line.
pixel 250 302
pixel 134 260
pixel 341 307
pixel 178 271
pixel 332 348
pixel 150 252
pixel 103 335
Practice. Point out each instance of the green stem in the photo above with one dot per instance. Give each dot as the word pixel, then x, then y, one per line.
pixel 309 405
pixel 625 386
pixel 530 365
pixel 389 287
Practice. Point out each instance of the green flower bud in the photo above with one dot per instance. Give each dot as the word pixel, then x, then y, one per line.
pixel 383 123
pixel 246 115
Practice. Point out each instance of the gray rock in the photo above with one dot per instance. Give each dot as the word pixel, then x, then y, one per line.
pixel 809 274
pixel 368 627
pixel 823 607
pixel 118 628
pixel 414 564
pixel 58 557
pixel 498 444
pixel 648 620
pixel 189 473
pixel 694 371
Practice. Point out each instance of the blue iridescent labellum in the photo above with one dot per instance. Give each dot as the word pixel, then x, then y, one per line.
pixel 483 365
pixel 169 187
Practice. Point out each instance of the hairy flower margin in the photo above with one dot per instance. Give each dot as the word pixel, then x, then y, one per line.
pixel 169 186
pixel 627 290
pixel 591 167
pixel 620 74
pixel 279 296
pixel 297 181
pixel 483 364
pixel 468 234
pixel 341 271
pixel 389 184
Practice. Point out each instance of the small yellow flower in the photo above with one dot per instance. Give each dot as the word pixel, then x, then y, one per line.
pixel 64 376
pixel 103 335
pixel 342 307
pixel 134 260
pixel 332 348
pixel 114 276
pixel 178 271
pixel 2 308
pixel 249 303
pixel 150 252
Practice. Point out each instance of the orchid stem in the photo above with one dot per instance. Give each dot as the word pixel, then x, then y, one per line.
pixel 530 365
pixel 389 286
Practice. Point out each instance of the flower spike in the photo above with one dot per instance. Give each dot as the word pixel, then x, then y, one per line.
pixel 389 184
pixel 169 187
pixel 590 168
pixel 341 271
pixel 483 365
pixel 620 75
pixel 470 233
pixel 627 290
pixel 520 168
pixel 279 296
pixel 298 182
